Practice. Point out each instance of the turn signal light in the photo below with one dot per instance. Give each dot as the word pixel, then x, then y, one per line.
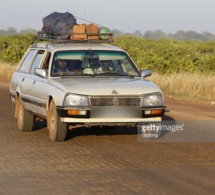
pixel 76 112
pixel 153 112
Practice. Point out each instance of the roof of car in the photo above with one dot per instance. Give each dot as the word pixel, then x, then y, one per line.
pixel 75 46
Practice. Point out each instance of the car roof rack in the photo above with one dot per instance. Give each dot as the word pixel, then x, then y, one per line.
pixel 74 37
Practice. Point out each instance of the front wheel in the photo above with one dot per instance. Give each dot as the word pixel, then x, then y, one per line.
pixel 25 119
pixel 57 129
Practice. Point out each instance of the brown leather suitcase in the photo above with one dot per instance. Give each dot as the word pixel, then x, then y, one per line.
pixel 79 32
pixel 92 31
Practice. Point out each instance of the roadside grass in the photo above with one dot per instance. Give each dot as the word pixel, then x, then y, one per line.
pixel 6 70
pixel 195 87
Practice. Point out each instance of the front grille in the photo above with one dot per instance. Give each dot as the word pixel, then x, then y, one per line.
pixel 115 101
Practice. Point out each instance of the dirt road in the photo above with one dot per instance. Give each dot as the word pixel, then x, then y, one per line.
pixel 109 161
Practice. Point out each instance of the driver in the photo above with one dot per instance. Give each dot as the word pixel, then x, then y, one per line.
pixel 106 65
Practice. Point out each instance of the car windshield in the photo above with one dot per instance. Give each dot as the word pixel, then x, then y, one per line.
pixel 93 63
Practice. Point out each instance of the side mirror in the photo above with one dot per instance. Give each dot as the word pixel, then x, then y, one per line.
pixel 40 72
pixel 146 73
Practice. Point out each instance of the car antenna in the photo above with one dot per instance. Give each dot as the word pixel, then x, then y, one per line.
pixel 88 21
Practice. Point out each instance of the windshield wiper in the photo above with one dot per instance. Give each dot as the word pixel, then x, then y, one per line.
pixel 113 73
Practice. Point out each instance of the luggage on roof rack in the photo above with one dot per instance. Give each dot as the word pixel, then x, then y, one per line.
pixel 92 31
pixel 59 25
pixel 63 26
pixel 81 33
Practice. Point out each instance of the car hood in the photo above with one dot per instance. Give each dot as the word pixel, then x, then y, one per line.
pixel 105 86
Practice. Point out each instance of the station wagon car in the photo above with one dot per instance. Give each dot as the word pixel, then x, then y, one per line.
pixel 99 85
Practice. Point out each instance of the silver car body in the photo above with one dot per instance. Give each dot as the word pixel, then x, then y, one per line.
pixel 112 100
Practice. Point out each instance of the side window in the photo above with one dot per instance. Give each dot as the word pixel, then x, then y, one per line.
pixel 37 60
pixel 46 60
pixel 27 60
pixel 128 69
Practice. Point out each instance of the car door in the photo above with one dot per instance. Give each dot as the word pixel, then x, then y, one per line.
pixel 39 85
pixel 28 98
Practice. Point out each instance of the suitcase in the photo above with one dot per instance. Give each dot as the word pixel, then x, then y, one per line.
pixel 92 31
pixel 79 32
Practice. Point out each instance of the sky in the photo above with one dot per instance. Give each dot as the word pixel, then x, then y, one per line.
pixel 127 16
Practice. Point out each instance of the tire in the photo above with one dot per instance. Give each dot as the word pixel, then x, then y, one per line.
pixel 57 129
pixel 25 119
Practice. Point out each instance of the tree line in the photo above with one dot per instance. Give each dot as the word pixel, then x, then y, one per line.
pixel 10 31
pixel 179 35
pixel 149 34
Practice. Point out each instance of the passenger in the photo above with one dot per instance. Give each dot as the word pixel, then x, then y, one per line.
pixel 94 64
pixel 75 66
pixel 62 66
pixel 106 65
pixel 92 67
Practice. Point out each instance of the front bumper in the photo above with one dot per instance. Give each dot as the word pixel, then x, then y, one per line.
pixel 112 115
pixel 113 121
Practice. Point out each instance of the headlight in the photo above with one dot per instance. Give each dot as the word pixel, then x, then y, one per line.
pixel 76 100
pixel 154 99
